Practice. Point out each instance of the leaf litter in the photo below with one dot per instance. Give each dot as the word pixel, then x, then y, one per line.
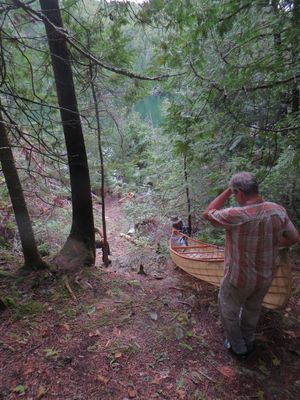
pixel 131 336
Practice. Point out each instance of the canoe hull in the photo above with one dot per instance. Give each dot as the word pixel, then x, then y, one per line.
pixel 211 271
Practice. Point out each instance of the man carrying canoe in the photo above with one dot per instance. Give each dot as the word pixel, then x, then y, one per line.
pixel 254 232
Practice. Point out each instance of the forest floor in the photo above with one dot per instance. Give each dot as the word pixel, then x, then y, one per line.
pixel 139 329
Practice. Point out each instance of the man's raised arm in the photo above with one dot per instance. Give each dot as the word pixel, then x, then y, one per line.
pixel 218 202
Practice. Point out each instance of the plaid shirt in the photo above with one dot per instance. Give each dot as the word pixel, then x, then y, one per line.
pixel 251 246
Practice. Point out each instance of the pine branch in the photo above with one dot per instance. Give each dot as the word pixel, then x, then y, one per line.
pixel 63 33
pixel 263 86
pixel 270 84
pixel 237 11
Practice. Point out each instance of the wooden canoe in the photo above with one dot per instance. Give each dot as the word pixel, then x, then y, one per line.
pixel 206 262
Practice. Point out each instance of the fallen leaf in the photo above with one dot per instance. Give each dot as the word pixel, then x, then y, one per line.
pixel 96 333
pixel 43 331
pixel 264 370
pixel 179 332
pixel 41 392
pixel 132 393
pixel 275 361
pixel 156 380
pixel 196 378
pixel 118 354
pixel 260 395
pixel 181 394
pixel 116 331
pixel 66 326
pixel 227 371
pixel 28 371
pixel 291 334
pixel 153 316
pixel 103 379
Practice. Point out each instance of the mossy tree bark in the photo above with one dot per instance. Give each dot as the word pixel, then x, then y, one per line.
pixel 79 249
pixel 33 260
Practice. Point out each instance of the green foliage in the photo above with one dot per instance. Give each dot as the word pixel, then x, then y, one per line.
pixel 211 235
pixel 232 110
pixel 31 308
pixel 57 227
pixel 9 301
pixel 7 222
pixel 52 353
pixel 232 106
pixel 127 164
pixel 69 313
pixel 44 249
pixel 20 389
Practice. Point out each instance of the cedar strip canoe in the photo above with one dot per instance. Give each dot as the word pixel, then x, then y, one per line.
pixel 206 262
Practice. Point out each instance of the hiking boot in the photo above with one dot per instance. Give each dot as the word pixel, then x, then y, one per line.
pixel 240 356
pixel 227 344
pixel 251 347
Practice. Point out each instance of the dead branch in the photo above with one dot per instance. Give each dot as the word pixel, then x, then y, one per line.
pixel 68 287
pixel 129 238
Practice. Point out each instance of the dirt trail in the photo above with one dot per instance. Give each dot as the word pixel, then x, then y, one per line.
pixel 132 335
pixel 116 224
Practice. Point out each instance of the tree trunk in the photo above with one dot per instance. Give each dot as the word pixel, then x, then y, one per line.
pixel 105 247
pixel 79 248
pixel 295 52
pixel 187 192
pixel 33 260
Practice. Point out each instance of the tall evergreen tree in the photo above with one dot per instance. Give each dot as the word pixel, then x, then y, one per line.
pixel 31 254
pixel 79 248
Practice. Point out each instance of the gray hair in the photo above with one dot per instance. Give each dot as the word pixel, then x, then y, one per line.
pixel 245 181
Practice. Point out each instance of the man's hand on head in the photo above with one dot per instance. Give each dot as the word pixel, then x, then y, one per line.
pixel 218 202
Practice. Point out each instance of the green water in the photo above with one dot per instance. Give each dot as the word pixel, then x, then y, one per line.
pixel 150 109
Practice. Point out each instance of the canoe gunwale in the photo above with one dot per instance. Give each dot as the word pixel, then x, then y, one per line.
pixel 200 245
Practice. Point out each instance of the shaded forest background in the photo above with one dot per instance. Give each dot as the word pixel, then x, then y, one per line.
pixel 165 99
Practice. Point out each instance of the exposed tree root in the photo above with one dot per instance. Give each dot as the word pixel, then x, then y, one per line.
pixel 36 266
pixel 74 255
